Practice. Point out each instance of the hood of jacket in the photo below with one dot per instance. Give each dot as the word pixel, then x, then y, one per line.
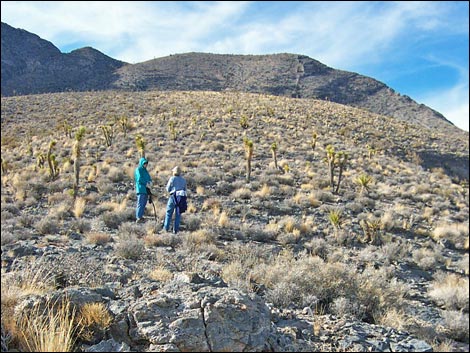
pixel 142 161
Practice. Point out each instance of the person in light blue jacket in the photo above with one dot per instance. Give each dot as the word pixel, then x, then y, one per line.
pixel 176 186
pixel 142 181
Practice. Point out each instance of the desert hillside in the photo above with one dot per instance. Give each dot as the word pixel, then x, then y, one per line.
pixel 311 226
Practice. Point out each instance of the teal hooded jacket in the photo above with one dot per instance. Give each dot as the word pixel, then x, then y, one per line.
pixel 141 177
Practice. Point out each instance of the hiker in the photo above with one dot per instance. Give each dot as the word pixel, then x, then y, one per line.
pixel 176 186
pixel 142 182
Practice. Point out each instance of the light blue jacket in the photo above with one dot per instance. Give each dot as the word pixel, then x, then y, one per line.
pixel 176 183
pixel 141 177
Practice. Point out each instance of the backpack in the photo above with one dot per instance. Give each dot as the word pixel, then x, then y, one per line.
pixel 181 201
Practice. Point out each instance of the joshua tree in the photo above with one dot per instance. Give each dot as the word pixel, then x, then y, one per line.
pixel 76 155
pixel 51 161
pixel 4 167
pixel 244 122
pixel 172 130
pixel 335 159
pixel 108 133
pixel 274 151
pixel 125 124
pixel 314 140
pixel 140 142
pixel 249 154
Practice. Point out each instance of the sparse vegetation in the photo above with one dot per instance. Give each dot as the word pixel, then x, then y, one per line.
pixel 248 225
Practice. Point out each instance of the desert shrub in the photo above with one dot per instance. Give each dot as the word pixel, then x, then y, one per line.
pixel 426 258
pixel 310 276
pixel 191 222
pixel 235 274
pixel 450 291
pixel 151 239
pixel 317 247
pixel 194 241
pixel 395 318
pixel 379 291
pixel 47 225
pixel 457 234
pixel 342 306
pixel 80 226
pixel 128 230
pixel 129 247
pixel 114 219
pixel 456 324
pixel 98 238
pixel 396 251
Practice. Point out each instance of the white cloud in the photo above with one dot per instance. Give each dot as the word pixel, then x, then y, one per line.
pixel 452 103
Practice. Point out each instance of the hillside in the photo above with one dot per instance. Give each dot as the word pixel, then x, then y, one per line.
pixel 31 65
pixel 284 261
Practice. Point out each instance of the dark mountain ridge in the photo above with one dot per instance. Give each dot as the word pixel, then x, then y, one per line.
pixel 32 65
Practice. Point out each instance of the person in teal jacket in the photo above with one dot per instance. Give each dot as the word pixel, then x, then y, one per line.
pixel 142 181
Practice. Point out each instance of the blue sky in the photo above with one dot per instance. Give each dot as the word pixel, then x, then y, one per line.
pixel 417 48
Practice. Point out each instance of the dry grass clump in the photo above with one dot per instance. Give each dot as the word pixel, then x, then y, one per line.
pixel 197 240
pixel 95 314
pixel 98 238
pixel 160 273
pixel 79 207
pixel 17 284
pixel 450 290
pixel 49 329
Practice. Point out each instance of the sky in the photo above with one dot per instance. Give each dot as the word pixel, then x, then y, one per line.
pixel 418 48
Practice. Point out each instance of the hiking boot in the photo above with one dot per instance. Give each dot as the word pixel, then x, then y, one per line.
pixel 139 220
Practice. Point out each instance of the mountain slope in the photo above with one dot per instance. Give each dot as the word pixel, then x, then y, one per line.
pixel 32 65
pixel 278 74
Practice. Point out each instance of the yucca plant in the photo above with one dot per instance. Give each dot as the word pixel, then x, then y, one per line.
pixel 371 228
pixel 249 155
pixel 371 151
pixel 336 218
pixel 364 182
